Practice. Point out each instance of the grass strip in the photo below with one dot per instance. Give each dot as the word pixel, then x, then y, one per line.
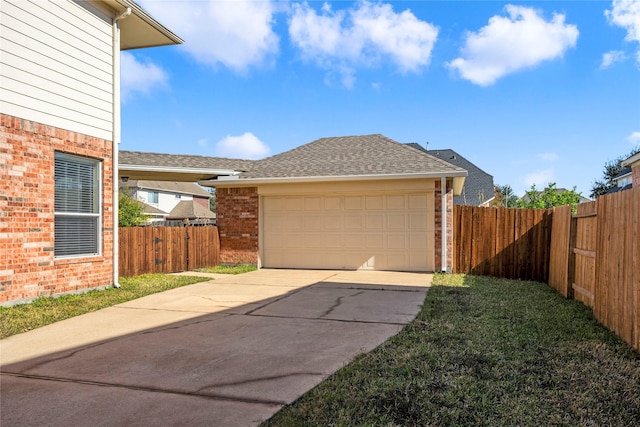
pixel 484 352
pixel 228 269
pixel 47 310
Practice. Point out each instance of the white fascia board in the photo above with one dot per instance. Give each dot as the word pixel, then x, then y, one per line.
pixel 236 182
pixel 633 159
pixel 147 168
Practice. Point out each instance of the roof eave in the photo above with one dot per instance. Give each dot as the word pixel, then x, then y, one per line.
pixel 236 181
pixel 145 30
pixel 632 160
pixel 164 173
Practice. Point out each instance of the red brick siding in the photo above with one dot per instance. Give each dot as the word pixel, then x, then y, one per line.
pixel 438 227
pixel 237 220
pixel 27 265
pixel 635 176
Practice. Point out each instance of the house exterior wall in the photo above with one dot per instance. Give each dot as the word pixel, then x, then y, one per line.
pixel 28 268
pixel 56 65
pixel 237 221
pixel 438 230
pixel 166 201
pixel 635 173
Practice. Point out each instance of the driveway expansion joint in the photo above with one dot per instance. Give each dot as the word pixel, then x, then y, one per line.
pixel 327 319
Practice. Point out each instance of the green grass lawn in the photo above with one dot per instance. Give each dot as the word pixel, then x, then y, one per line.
pixel 46 310
pixel 484 352
pixel 228 269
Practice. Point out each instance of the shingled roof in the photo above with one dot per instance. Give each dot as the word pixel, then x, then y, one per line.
pixel 188 161
pixel 478 187
pixel 363 155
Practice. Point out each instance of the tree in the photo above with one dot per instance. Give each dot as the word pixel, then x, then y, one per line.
pixel 212 200
pixel 504 197
pixel 130 211
pixel 611 169
pixel 549 197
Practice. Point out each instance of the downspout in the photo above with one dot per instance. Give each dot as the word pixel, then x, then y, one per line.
pixel 443 187
pixel 116 139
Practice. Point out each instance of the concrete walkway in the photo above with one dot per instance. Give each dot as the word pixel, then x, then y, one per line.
pixel 227 352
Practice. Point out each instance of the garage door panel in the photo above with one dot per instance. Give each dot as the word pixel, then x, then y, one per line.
pixel 353 240
pixel 417 201
pixel 353 221
pixel 375 222
pixel 374 202
pixel 312 203
pixel 396 241
pixel 313 222
pixel 396 221
pixel 391 231
pixel 353 202
pixel 375 241
pixel 396 202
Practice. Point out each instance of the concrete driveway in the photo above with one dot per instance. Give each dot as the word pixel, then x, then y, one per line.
pixel 227 352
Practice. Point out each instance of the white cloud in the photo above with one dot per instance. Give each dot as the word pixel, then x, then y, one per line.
pixel 138 76
pixel 539 178
pixel 509 44
pixel 361 36
pixel 237 34
pixel 245 146
pixel 634 138
pixel 611 57
pixel 626 14
pixel 549 157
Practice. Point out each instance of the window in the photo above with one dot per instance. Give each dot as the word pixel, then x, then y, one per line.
pixel 178 196
pixel 152 197
pixel 77 206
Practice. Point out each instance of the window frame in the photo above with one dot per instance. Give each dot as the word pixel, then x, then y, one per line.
pixel 156 197
pixel 97 165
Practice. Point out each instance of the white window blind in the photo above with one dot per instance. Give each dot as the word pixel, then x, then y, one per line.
pixel 77 206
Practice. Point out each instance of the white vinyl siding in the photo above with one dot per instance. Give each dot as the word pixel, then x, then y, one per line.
pixel 77 206
pixel 56 65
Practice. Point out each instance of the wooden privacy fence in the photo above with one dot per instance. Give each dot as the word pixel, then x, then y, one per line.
pixel 595 258
pixel 501 242
pixel 167 249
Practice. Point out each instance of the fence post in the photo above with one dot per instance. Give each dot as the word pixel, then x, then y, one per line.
pixel 571 265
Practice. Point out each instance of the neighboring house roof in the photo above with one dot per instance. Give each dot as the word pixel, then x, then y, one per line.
pixel 177 167
pixel 168 187
pixel 617 188
pixel 363 155
pixel 478 187
pixel 187 209
pixel 152 210
pixel 624 172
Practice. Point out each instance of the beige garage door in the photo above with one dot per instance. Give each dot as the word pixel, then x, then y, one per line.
pixel 365 231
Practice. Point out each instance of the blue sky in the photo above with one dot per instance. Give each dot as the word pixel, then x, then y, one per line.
pixel 531 92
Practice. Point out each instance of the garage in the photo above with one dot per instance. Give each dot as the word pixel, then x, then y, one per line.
pixel 353 202
pixel 377 231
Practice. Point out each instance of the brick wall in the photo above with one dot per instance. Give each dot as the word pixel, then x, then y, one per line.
pixel 635 176
pixel 237 220
pixel 28 268
pixel 438 226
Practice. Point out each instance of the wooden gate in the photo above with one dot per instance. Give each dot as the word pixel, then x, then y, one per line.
pixel 167 249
